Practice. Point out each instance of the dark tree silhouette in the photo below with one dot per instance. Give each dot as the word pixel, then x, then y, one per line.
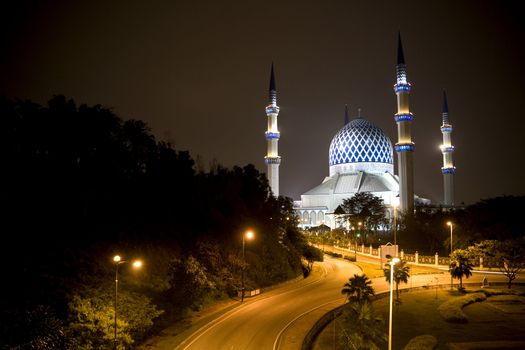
pixel 358 288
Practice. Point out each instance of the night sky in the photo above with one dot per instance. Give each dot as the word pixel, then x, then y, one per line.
pixel 197 72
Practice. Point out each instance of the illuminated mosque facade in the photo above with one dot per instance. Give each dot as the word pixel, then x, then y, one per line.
pixel 361 159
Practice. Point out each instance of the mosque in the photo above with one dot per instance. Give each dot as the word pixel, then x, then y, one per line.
pixel 361 159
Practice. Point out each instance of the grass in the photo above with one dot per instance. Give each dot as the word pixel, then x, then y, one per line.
pixel 493 320
pixel 374 270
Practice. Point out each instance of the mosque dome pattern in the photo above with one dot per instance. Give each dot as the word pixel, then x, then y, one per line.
pixel 360 141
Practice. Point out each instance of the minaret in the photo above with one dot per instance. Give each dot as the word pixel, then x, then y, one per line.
pixel 447 149
pixel 272 158
pixel 404 147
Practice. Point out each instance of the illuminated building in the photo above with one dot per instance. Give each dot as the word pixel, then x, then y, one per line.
pixel 360 160
pixel 272 159
pixel 404 146
pixel 447 149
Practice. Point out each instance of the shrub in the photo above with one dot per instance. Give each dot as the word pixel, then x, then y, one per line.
pixel 335 255
pixel 451 310
pixel 422 342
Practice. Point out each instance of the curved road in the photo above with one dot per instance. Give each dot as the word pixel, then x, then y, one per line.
pixel 257 324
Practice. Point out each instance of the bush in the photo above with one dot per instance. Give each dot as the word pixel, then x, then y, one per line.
pixel 335 255
pixel 349 258
pixel 451 310
pixel 422 342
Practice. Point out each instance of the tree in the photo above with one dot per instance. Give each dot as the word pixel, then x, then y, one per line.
pixel 312 254
pixel 508 256
pixel 358 288
pixel 366 208
pixel 511 255
pixel 460 266
pixel 487 250
pixel 362 328
pixel 91 323
pixel 401 274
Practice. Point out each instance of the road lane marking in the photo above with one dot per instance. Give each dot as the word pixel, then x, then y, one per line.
pixel 212 324
pixel 277 342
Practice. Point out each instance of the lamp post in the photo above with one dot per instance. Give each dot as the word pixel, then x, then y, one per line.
pixel 247 235
pixel 355 242
pixel 392 263
pixel 395 227
pixel 449 223
pixel 358 235
pixel 136 264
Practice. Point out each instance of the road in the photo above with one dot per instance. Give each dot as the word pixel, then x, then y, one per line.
pixel 257 324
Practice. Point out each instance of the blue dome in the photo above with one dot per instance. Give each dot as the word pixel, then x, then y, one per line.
pixel 360 141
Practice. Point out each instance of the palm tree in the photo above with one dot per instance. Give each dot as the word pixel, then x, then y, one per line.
pixel 362 328
pixel 460 266
pixel 401 274
pixel 358 288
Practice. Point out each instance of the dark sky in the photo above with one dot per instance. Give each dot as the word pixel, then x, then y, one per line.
pixel 197 72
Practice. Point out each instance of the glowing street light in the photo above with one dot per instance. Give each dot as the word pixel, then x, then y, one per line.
pixel 449 223
pixel 392 263
pixel 118 260
pixel 249 236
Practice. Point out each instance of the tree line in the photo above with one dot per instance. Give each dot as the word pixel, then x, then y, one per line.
pixel 81 185
pixel 363 218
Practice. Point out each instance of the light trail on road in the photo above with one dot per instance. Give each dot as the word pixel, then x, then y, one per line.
pixel 260 323
pixel 257 324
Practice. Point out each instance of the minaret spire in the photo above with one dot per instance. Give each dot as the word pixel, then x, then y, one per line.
pixel 273 89
pixel 400 55
pixel 445 108
pixel 447 150
pixel 347 119
pixel 272 158
pixel 404 147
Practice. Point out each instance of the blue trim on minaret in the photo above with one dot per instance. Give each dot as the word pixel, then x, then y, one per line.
pixel 347 119
pixel 403 117
pixel 402 83
pixel 272 159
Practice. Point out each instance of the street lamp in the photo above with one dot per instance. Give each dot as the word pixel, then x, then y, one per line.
pixel 358 235
pixel 355 242
pixel 449 223
pixel 395 227
pixel 392 263
pixel 247 235
pixel 137 264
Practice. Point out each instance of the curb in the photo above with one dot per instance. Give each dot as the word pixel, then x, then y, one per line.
pixel 328 317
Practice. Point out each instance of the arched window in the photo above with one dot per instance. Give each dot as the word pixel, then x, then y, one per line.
pixel 313 217
pixel 306 218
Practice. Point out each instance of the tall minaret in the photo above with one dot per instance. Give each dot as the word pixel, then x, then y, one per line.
pixel 272 158
pixel 404 147
pixel 447 149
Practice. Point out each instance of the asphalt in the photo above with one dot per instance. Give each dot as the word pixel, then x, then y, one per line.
pixel 291 336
